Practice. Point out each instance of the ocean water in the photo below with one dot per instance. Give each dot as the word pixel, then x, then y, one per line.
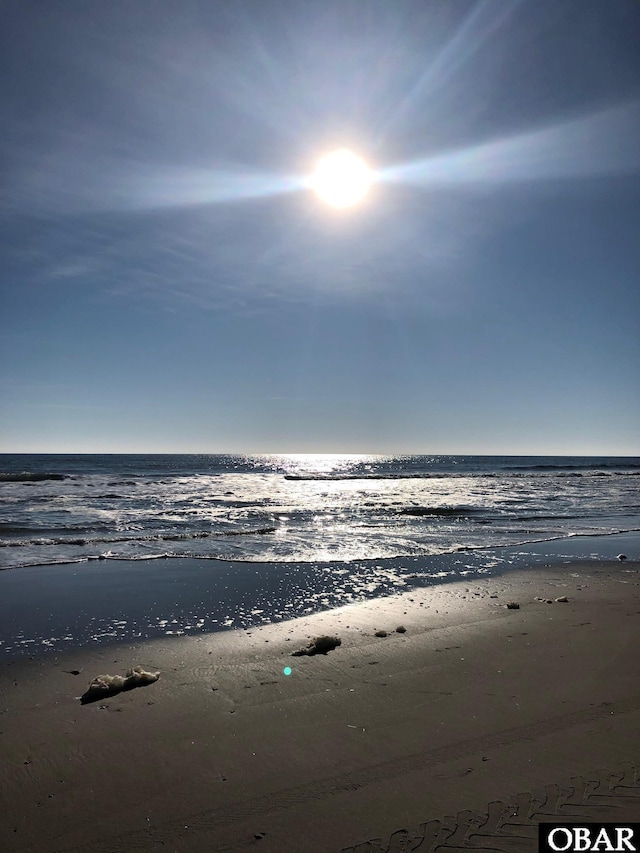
pixel 303 508
pixel 101 547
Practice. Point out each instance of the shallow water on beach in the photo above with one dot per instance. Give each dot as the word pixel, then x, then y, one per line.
pixel 302 508
pixel 47 609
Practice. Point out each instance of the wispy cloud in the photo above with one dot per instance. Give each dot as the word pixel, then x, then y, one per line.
pixel 603 143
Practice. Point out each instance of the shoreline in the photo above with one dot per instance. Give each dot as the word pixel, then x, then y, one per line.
pixel 47 609
pixel 544 545
pixel 473 703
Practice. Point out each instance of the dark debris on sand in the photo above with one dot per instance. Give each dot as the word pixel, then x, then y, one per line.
pixel 319 646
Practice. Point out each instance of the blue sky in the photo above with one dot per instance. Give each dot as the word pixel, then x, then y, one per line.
pixel 169 283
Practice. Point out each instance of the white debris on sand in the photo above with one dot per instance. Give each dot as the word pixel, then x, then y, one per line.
pixel 108 685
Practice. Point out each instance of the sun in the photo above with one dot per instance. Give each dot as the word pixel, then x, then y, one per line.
pixel 341 178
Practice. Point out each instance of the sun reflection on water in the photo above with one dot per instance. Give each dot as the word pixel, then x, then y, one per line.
pixel 321 464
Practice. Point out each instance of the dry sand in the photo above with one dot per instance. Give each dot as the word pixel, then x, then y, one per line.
pixel 385 744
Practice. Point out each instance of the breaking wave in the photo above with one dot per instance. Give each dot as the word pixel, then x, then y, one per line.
pixel 30 477
pixel 113 540
pixel 260 509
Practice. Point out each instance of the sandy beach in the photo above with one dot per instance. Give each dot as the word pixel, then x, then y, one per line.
pixel 468 727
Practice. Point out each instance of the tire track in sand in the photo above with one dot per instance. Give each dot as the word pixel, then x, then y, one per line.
pixel 511 825
pixel 178 831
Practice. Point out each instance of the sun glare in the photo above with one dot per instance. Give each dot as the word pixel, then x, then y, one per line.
pixel 341 179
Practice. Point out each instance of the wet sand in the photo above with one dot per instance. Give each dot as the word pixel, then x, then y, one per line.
pixel 405 738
